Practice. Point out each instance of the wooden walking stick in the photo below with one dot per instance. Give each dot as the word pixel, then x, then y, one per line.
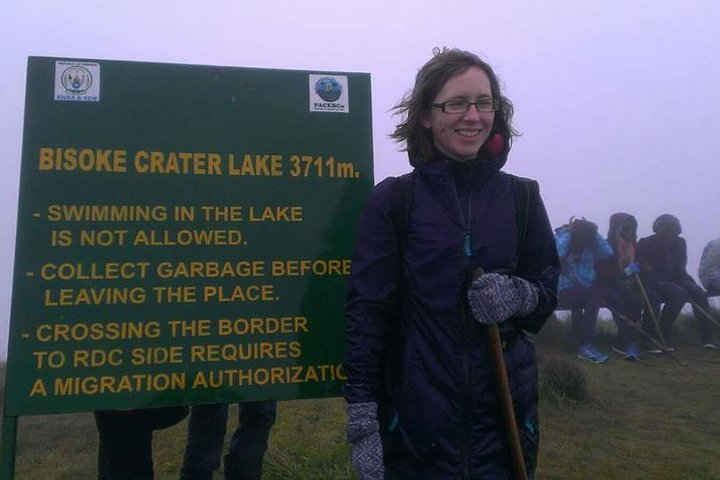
pixel 648 336
pixel 503 387
pixel 704 312
pixel 651 310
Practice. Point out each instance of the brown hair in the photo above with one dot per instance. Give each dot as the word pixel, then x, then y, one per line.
pixel 445 64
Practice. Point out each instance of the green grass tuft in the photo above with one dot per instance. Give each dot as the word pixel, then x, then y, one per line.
pixel 562 379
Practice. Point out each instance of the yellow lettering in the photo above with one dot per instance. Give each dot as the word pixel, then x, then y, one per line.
pixel 87 159
pixel 249 293
pixel 178 163
pixel 38 388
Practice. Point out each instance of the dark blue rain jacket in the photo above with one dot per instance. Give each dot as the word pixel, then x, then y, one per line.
pixel 412 344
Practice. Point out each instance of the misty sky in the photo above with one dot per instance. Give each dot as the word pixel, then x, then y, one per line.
pixel 618 101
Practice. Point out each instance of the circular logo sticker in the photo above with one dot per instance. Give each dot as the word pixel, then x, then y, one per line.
pixel 328 89
pixel 76 79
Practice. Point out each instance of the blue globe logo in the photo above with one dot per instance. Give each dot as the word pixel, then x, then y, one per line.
pixel 328 89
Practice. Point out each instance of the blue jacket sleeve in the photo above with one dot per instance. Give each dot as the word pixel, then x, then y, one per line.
pixel 372 298
pixel 562 239
pixel 539 263
pixel 604 248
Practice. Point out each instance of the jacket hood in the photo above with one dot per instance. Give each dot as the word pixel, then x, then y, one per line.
pixel 617 222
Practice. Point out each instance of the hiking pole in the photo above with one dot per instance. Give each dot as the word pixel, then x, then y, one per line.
pixel 503 385
pixel 704 312
pixel 651 309
pixel 648 337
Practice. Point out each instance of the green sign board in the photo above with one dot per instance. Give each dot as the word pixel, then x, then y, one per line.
pixel 184 233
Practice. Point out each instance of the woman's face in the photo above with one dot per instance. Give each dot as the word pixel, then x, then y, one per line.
pixel 460 135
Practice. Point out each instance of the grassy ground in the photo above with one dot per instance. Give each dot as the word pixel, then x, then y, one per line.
pixel 649 420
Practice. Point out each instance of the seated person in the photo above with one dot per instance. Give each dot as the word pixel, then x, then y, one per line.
pixel 620 287
pixel 663 259
pixel 709 271
pixel 579 246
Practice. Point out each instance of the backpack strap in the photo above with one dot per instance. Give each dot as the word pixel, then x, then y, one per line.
pixel 521 191
pixel 403 195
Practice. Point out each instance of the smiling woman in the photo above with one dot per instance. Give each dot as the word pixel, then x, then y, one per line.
pixel 462 115
pixel 422 319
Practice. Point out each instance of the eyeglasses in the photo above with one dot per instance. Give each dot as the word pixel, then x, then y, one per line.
pixel 485 104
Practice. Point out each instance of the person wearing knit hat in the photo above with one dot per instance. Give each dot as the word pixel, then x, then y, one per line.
pixel 667 224
pixel 663 261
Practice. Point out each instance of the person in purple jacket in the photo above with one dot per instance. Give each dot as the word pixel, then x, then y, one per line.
pixel 421 395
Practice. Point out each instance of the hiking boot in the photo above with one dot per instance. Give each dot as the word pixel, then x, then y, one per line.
pixel 632 353
pixel 591 354
pixel 629 352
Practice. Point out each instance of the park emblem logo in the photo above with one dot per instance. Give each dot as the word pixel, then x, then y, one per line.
pixel 77 81
pixel 328 93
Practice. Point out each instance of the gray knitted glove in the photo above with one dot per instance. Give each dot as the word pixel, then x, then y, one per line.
pixel 363 433
pixel 494 298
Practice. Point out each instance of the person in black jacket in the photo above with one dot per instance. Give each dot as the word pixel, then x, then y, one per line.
pixel 420 389
pixel 663 259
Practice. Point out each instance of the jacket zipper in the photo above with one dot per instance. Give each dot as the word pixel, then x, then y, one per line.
pixel 466 327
